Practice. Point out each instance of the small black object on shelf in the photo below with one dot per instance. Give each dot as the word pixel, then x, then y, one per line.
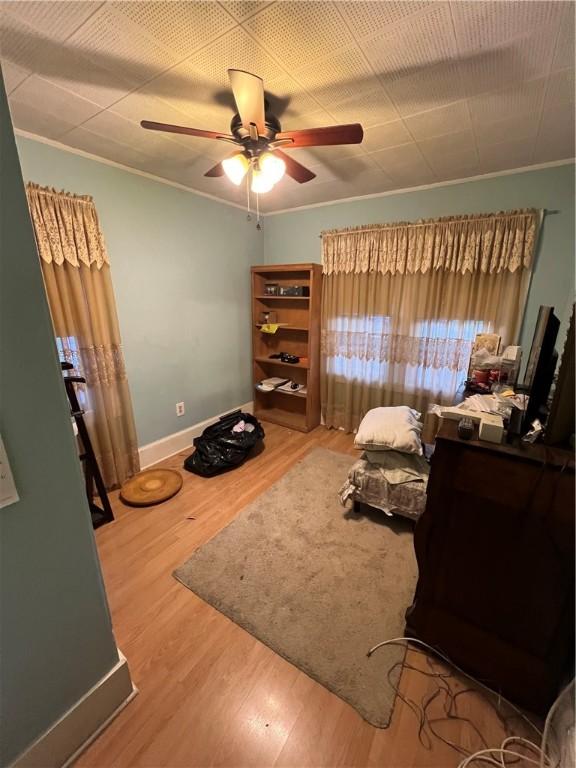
pixel 285 357
pixel 293 290
pixel 100 515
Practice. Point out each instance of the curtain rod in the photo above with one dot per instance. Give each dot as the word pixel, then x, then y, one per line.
pixel 545 212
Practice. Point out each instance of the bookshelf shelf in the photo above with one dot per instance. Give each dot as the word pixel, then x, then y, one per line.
pixel 298 320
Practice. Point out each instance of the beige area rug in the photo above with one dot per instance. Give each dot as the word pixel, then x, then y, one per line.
pixel 316 583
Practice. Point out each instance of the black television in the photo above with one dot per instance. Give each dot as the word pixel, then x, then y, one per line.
pixel 541 365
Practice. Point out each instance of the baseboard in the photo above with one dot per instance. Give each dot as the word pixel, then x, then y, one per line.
pixel 167 446
pixel 61 744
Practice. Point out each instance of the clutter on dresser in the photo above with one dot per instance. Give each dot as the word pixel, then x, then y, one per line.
pixel 225 444
pixel 488 370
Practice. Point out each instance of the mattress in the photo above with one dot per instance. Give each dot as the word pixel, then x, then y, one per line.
pixel 367 483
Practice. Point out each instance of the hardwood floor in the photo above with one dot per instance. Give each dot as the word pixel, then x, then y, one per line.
pixel 210 693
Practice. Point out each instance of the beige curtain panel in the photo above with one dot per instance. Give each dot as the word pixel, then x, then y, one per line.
pixel 401 306
pixel 76 273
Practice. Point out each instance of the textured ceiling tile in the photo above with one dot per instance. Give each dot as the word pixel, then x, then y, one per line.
pixel 287 98
pixel 235 50
pixel 430 88
pixel 509 154
pixel 404 164
pixel 462 142
pixel 560 89
pixel 369 109
pixel 437 122
pixel 124 131
pixel 317 26
pixel 370 183
pixel 520 127
pixel 180 27
pixel 342 75
pixel 28 118
pixel 557 126
pixel 316 75
pixel 192 93
pixel 60 63
pixel 55 20
pixel 112 41
pixel 412 176
pixel 13 75
pixel 56 101
pixel 393 157
pixel 383 136
pixel 368 18
pixel 525 59
pixel 325 155
pixel 523 98
pixel 317 119
pixel 564 54
pixel 456 165
pixel 352 168
pixel 424 39
pixel 243 9
pixel 484 25
pixel 546 152
pixel 103 147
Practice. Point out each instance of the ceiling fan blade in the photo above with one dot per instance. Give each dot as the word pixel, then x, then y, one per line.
pixel 296 170
pixel 215 171
pixel 248 93
pixel 320 137
pixel 218 169
pixel 152 126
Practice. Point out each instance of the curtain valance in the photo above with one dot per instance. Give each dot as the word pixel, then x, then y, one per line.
pixel 488 243
pixel 67 227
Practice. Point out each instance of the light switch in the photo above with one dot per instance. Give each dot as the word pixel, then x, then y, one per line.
pixel 8 492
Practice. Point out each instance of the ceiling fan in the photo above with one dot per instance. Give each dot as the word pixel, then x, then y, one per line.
pixel 258 136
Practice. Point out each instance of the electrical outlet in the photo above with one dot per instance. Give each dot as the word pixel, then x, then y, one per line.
pixel 180 409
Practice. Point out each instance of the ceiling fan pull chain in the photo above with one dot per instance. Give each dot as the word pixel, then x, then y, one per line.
pixel 248 217
pixel 258 225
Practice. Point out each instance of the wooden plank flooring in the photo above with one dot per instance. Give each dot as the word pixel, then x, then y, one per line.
pixel 210 693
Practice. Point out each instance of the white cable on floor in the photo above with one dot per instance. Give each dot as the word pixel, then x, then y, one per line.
pixel 487 755
pixel 407 640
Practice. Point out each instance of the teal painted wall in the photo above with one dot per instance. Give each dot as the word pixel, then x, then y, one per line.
pixel 56 639
pixel 293 236
pixel 180 268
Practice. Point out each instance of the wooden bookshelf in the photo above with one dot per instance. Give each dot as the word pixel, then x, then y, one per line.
pixel 298 318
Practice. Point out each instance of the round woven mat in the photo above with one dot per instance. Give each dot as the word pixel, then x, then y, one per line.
pixel 153 486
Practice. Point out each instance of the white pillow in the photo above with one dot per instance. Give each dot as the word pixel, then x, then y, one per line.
pixel 390 429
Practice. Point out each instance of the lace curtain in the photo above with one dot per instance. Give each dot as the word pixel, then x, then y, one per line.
pixel 402 304
pixel 77 277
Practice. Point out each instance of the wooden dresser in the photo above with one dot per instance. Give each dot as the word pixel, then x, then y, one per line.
pixel 495 551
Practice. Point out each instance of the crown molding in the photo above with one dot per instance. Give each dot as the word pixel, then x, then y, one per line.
pixel 423 187
pixel 114 164
pixel 265 214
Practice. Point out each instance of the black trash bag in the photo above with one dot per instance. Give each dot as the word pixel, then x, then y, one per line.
pixel 219 448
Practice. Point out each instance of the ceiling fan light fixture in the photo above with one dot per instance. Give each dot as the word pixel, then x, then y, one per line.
pixel 272 166
pixel 236 167
pixel 261 182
